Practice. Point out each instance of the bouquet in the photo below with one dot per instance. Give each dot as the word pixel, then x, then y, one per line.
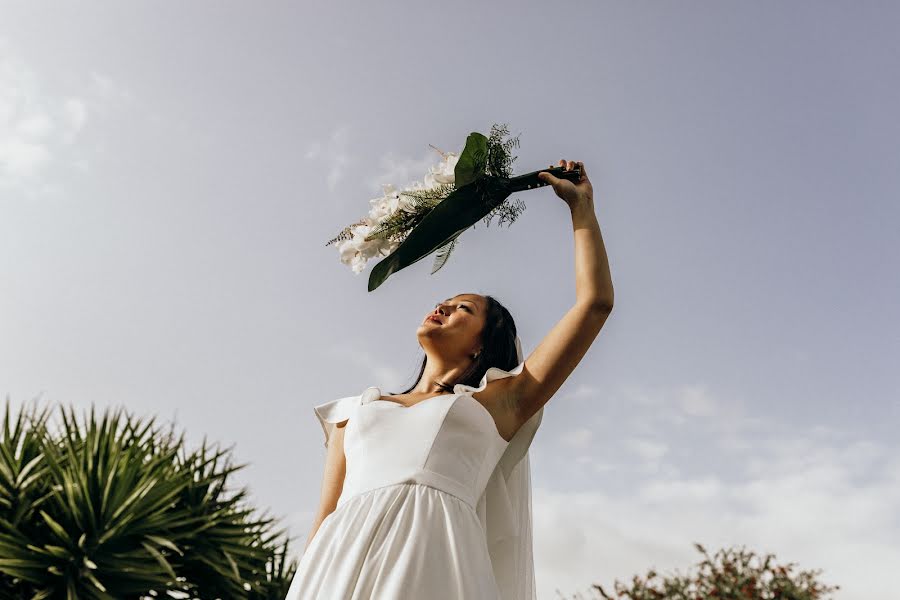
pixel 407 225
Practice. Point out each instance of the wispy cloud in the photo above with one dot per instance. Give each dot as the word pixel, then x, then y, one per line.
pixel 401 170
pixel 39 127
pixel 33 123
pixel 648 451
pixel 334 152
pixel 104 90
pixel 379 372
pixel 696 401
pixel 682 465
pixel 579 437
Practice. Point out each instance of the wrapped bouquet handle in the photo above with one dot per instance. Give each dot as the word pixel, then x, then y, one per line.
pixel 406 231
pixel 530 181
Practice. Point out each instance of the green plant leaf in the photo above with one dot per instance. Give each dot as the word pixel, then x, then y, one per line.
pixel 121 509
pixel 472 160
pixel 460 210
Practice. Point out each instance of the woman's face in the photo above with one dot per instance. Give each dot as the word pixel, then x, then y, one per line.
pixel 458 334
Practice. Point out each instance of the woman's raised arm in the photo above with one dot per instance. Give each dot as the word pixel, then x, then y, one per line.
pixel 557 355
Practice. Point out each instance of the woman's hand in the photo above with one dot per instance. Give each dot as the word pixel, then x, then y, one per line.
pixel 577 195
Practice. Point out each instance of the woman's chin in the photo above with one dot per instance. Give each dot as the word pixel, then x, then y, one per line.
pixel 427 331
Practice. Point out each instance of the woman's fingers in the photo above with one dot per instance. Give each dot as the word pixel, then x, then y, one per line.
pixel 569 165
pixel 548 177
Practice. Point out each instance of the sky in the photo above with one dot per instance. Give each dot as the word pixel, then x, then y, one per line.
pixel 171 172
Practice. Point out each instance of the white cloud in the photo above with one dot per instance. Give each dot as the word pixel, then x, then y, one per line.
pixel 696 401
pixel 37 125
pixel 33 126
pixel 334 153
pixel 28 123
pixel 20 158
pixel 579 437
pixel 815 497
pixel 402 171
pixel 75 111
pixel 33 123
pixel 104 90
pixel 380 373
pixel 647 450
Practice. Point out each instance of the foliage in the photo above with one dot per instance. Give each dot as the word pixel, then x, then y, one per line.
pixel 481 156
pixel 466 198
pixel 728 575
pixel 115 508
pixel 476 193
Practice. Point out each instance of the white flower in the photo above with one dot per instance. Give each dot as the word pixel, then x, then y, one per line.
pixel 351 256
pixel 356 251
pixel 386 205
pixel 444 172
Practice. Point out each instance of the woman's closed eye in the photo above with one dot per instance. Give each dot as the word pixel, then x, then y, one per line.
pixel 461 306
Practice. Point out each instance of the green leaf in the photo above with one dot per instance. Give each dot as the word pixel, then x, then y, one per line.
pixel 160 559
pixel 56 527
pixel 472 161
pixel 164 542
pixel 464 207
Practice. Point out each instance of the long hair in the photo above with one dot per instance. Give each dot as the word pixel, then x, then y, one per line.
pixel 498 349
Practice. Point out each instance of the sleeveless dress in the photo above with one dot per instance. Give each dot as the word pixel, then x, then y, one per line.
pixel 435 503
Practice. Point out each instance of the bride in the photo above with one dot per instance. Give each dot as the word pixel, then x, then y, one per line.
pixel 427 493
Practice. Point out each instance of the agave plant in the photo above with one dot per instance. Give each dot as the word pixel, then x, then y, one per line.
pixel 115 508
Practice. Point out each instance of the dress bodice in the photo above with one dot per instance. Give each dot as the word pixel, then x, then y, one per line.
pixel 450 442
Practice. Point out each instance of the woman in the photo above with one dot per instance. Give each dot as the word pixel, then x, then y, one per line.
pixel 426 493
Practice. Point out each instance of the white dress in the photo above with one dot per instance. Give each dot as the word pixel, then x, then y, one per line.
pixel 435 503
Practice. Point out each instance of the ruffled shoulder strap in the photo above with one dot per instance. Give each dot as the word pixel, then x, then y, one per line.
pixel 505 507
pixel 335 411
pixel 521 441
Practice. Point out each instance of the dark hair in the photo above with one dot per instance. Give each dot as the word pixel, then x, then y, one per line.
pixel 498 349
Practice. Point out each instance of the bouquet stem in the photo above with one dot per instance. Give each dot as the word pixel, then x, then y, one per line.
pixel 529 181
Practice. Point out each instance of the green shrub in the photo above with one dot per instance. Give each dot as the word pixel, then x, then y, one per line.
pixel 728 575
pixel 114 508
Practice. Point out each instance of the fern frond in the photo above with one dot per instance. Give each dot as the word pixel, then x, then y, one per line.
pixel 430 197
pixel 507 212
pixel 398 225
pixel 443 253
pixel 345 233
pixel 500 159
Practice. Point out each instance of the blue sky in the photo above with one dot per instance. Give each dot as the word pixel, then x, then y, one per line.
pixel 169 175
